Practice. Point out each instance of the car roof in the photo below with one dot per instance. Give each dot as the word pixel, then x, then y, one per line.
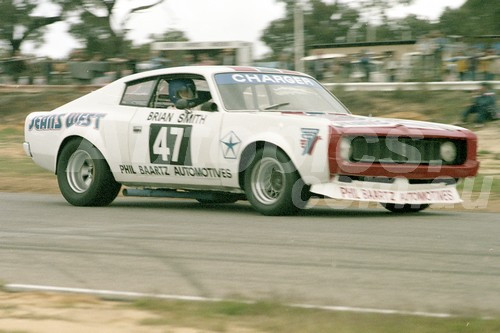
pixel 207 71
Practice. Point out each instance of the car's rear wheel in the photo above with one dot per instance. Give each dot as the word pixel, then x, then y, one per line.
pixel 404 208
pixel 84 176
pixel 272 184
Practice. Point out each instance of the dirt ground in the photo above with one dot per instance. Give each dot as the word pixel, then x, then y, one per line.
pixel 48 313
pixel 489 148
pixel 36 312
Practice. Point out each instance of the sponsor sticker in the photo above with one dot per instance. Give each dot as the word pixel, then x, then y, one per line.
pixel 446 195
pixel 309 138
pixel 180 118
pixel 53 122
pixel 230 145
pixel 260 78
pixel 170 144
pixel 175 171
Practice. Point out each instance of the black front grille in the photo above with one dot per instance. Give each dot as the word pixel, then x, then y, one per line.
pixel 403 150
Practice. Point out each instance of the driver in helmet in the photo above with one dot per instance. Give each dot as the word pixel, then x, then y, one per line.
pixel 186 89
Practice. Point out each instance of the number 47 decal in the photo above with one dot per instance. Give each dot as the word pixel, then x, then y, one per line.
pixel 170 144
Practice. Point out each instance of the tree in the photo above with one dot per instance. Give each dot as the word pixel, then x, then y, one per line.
pixel 327 23
pixel 373 23
pixel 373 10
pixel 417 27
pixel 96 29
pixel 475 17
pixel 170 36
pixel 143 51
pixel 19 22
pixel 321 26
pixel 410 27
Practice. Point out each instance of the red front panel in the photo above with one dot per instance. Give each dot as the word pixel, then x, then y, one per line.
pixel 410 171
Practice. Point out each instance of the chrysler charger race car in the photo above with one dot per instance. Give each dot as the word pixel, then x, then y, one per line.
pixel 221 134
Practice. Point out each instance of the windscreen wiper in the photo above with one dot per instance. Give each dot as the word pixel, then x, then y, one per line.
pixel 276 106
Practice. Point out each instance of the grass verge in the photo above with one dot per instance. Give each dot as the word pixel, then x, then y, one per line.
pixel 438 106
pixel 273 317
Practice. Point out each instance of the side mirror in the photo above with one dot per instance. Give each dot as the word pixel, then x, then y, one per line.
pixel 182 104
pixel 209 106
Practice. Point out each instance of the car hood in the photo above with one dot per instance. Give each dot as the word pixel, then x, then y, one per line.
pixel 352 121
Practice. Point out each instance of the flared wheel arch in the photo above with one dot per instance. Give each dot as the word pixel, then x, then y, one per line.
pixel 248 155
pixel 76 137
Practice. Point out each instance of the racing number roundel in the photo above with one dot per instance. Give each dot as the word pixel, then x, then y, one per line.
pixel 170 144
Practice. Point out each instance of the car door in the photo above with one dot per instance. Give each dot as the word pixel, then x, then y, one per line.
pixel 170 146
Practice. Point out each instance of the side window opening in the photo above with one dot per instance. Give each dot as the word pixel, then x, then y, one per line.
pixel 138 93
pixel 155 92
pixel 161 97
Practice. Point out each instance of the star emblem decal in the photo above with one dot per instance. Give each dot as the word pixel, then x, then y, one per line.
pixel 230 145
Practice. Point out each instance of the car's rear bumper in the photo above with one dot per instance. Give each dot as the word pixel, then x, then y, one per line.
pixel 27 149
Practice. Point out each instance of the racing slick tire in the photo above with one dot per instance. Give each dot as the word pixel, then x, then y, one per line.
pixel 84 176
pixel 404 208
pixel 272 184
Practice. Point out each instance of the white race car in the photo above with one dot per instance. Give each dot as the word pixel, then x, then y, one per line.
pixel 221 134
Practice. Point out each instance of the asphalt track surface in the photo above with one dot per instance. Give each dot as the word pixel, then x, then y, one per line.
pixel 437 261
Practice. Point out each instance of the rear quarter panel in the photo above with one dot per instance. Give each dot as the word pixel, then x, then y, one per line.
pixel 96 117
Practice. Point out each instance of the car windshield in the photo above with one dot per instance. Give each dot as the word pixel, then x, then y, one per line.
pixel 275 92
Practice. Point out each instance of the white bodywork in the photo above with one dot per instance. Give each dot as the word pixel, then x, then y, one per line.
pixel 211 158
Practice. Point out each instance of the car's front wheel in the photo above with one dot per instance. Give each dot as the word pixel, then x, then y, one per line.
pixel 84 176
pixel 272 184
pixel 404 208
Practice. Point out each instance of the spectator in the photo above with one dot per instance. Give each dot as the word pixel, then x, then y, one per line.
pixel 47 70
pixel 366 65
pixel 159 60
pixel 486 66
pixel 187 59
pixel 473 63
pixel 484 106
pixel 228 57
pixel 132 65
pixel 462 66
pixel 318 69
pixel 438 46
pixel 16 67
pixel 391 67
pixel 205 60
pixel 495 68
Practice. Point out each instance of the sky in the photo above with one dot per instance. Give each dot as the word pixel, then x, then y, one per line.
pixel 210 20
